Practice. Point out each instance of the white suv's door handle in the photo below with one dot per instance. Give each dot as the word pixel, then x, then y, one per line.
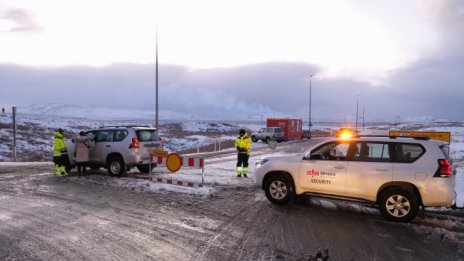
pixel 339 167
pixel 108 146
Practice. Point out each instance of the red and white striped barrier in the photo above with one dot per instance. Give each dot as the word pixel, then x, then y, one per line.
pixel 174 162
pixel 197 163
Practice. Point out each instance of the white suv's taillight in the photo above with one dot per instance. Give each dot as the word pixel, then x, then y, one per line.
pixel 135 143
pixel 444 169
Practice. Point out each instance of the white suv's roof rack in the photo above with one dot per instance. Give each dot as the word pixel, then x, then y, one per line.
pixel 393 137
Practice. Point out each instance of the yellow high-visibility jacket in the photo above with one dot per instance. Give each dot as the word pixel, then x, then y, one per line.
pixel 59 145
pixel 243 143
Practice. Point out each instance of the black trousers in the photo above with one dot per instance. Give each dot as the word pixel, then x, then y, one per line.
pixel 63 160
pixel 81 165
pixel 242 158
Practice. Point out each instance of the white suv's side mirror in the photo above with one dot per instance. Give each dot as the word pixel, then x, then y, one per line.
pixel 307 155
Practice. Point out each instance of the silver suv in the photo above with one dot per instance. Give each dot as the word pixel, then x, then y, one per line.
pixel 120 148
pixel 268 134
pixel 398 174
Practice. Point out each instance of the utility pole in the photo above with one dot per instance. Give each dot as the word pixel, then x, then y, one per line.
pixel 309 119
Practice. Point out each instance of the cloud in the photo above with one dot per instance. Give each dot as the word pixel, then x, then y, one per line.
pixel 426 88
pixel 447 18
pixel 22 19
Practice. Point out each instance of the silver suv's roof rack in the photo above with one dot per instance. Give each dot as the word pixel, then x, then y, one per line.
pixel 126 126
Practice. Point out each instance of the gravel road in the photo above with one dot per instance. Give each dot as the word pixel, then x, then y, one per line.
pixel 43 217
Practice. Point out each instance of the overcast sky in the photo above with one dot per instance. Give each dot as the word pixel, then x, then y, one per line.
pixel 228 58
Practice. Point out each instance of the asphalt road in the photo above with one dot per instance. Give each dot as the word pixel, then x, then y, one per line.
pixel 43 217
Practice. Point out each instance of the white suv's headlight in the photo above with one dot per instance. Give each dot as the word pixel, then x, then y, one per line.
pixel 260 162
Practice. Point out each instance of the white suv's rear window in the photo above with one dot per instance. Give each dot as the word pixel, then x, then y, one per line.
pixel 406 152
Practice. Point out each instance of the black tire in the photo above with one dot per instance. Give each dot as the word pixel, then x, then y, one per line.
pixel 145 168
pixel 279 189
pixel 254 139
pixel 268 139
pixel 115 166
pixel 398 205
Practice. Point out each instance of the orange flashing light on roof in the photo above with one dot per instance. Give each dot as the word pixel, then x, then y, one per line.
pixel 345 133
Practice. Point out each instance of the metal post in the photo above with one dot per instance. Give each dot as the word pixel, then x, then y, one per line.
pixel 14 133
pixel 203 174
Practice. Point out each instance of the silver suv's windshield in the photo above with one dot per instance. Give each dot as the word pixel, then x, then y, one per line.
pixel 278 130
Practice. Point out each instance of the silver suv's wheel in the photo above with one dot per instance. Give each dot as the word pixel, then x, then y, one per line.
pixel 115 166
pixel 398 205
pixel 279 189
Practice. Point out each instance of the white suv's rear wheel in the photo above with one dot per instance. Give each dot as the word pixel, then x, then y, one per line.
pixel 115 166
pixel 398 205
pixel 279 189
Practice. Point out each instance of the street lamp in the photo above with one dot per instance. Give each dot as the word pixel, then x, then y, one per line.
pixel 363 116
pixel 156 83
pixel 309 119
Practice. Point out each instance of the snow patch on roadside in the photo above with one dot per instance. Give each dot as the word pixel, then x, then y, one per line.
pixel 141 185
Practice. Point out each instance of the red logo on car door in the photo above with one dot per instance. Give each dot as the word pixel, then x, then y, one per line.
pixel 313 173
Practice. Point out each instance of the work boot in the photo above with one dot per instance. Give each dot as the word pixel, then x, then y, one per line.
pixel 239 175
pixel 245 175
pixel 63 171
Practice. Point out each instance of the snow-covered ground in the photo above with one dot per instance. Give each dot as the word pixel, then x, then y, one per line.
pixel 217 173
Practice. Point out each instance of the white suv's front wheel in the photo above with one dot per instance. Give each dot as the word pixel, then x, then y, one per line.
pixel 279 189
pixel 398 205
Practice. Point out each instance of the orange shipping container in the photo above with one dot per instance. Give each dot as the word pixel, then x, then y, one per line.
pixel 293 128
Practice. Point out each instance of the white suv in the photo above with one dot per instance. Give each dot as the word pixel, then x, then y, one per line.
pixel 120 148
pixel 397 173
